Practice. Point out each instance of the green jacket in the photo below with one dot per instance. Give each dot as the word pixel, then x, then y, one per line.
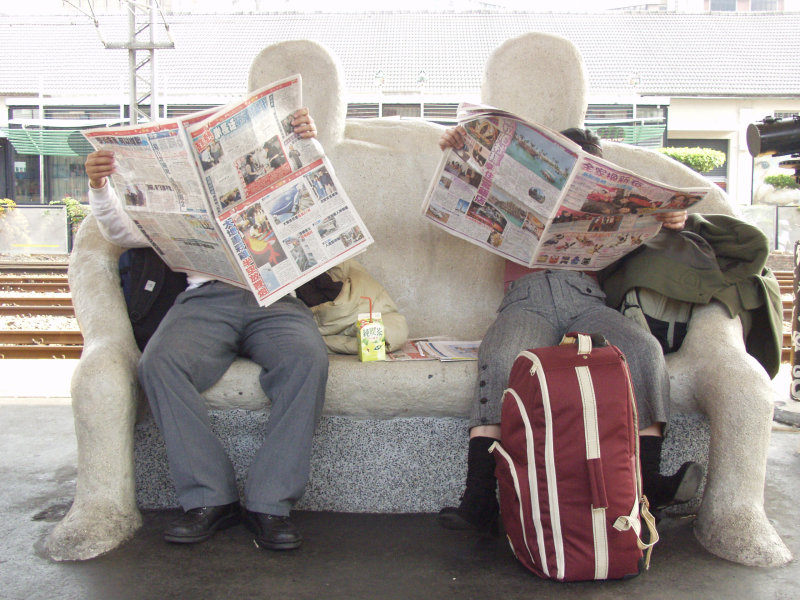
pixel 715 257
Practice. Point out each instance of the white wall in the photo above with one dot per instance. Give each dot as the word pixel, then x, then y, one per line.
pixel 726 119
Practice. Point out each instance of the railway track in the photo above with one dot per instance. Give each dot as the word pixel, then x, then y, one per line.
pixel 41 289
pixel 45 284
pixel 20 343
pixel 35 267
pixel 31 290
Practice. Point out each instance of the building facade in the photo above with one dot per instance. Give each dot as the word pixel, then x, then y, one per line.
pixel 655 78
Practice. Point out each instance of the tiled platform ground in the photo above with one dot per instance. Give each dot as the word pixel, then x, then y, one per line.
pixel 350 556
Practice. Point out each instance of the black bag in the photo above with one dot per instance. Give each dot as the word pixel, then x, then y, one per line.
pixel 150 288
pixel 666 318
pixel 320 289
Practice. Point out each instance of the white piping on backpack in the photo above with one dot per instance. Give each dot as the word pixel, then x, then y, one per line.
pixel 536 510
pixel 496 447
pixel 549 464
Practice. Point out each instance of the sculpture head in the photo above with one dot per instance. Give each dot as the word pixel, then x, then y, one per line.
pixel 540 77
pixel 322 82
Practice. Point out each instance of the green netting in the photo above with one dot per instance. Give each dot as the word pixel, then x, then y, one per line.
pixel 631 134
pixel 48 142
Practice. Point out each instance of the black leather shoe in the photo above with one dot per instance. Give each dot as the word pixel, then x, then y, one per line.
pixel 454 517
pixel 674 489
pixel 199 524
pixel 272 531
pixel 478 511
pixel 688 478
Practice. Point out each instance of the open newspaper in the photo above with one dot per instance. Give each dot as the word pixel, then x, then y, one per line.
pixel 535 197
pixel 234 194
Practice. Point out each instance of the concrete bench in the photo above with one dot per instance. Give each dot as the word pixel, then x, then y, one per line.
pixel 393 435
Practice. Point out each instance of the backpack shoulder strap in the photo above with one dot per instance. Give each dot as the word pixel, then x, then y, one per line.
pixel 666 318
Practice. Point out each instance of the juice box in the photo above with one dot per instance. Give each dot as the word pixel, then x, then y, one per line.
pixel 371 337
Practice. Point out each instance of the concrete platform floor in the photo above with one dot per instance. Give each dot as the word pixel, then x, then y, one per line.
pixel 344 555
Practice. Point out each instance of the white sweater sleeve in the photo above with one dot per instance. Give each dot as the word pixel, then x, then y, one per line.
pixel 115 225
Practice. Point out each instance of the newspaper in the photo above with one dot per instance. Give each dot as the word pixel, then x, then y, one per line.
pixel 450 350
pixel 536 198
pixel 233 194
pixel 409 351
pixel 435 348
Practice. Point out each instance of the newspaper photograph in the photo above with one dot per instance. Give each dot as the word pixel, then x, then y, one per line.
pixel 535 197
pixel 235 194
pixel 439 348
pixel 409 351
pixel 449 350
pixel 156 182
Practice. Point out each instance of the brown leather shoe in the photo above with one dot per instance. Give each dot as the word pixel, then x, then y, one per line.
pixel 272 531
pixel 199 524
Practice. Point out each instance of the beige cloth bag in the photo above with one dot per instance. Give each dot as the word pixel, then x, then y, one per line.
pixel 336 319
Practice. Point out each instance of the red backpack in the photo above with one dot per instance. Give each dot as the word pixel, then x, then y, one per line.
pixel 568 465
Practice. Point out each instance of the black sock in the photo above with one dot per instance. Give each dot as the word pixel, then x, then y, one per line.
pixel 480 463
pixel 654 485
pixel 479 501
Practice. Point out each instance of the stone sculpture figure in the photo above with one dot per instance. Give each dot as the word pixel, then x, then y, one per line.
pixel 385 165
pixel 711 373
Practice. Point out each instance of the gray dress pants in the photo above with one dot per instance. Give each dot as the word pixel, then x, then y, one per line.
pixel 201 335
pixel 538 309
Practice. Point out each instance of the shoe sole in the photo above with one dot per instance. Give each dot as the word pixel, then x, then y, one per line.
pixel 262 544
pixel 456 522
pixel 224 523
pixel 690 483
pixel 453 521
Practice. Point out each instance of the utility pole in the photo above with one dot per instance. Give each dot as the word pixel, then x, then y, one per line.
pixel 144 17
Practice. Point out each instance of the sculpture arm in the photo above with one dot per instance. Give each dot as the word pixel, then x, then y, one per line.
pixel 104 403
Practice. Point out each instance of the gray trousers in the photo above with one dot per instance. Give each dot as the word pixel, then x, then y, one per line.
pixel 537 311
pixel 201 335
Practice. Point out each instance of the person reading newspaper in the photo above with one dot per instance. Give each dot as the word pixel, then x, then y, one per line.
pixel 539 307
pixel 210 324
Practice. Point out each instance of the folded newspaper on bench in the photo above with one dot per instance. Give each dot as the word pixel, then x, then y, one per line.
pixel 435 348
pixel 532 196
pixel 234 194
